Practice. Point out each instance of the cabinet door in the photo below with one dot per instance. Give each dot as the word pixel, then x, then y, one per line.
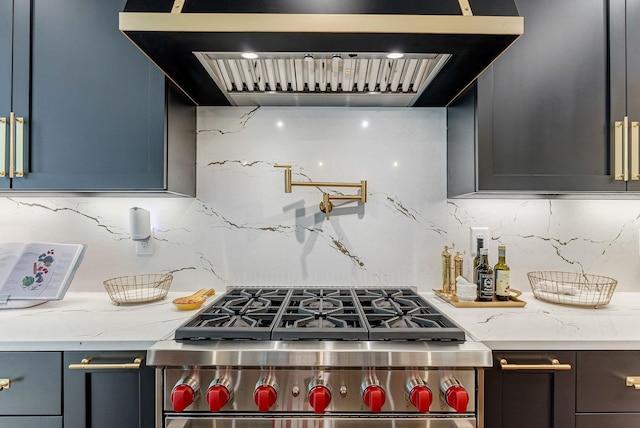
pixel 530 398
pixel 93 104
pixel 36 383
pixel 542 110
pixel 6 63
pixel 108 397
pixel 632 71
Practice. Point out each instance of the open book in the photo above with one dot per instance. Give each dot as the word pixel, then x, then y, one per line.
pixel 37 271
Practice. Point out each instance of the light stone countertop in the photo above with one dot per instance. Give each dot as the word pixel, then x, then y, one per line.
pixel 547 326
pixel 90 321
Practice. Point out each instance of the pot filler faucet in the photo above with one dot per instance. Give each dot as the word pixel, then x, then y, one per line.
pixel 326 205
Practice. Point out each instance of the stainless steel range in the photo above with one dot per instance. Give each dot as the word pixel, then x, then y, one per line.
pixel 319 357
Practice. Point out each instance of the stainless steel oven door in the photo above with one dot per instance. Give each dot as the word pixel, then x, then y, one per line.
pixel 320 422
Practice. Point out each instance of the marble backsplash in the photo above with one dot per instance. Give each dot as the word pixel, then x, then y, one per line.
pixel 243 229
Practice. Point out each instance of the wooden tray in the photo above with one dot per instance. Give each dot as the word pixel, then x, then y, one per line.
pixel 513 301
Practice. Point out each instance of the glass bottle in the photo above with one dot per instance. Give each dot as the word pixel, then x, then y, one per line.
pixel 502 275
pixel 476 259
pixel 484 283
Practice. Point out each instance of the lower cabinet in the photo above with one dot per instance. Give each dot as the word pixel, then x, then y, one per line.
pixel 527 390
pixel 108 389
pixel 31 391
pixel 603 397
pixel 31 422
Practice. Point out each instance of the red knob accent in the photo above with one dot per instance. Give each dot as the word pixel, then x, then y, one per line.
pixel 374 398
pixel 319 398
pixel 457 398
pixel 264 397
pixel 217 397
pixel 421 397
pixel 181 397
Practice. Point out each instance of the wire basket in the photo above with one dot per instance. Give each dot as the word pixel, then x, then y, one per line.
pixel 138 288
pixel 572 288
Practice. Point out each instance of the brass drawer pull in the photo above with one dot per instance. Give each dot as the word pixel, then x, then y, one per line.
pixel 555 365
pixel 85 364
pixel 5 384
pixel 633 381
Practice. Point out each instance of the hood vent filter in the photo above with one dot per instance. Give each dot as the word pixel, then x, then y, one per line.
pixel 352 79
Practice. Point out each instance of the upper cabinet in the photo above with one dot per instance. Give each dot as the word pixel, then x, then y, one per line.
pixel 543 117
pixel 83 109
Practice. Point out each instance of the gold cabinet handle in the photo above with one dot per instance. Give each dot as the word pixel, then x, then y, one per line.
pixel 85 364
pixel 16 146
pixel 19 144
pixel 620 139
pixel 3 146
pixel 635 150
pixel 5 384
pixel 633 381
pixel 555 365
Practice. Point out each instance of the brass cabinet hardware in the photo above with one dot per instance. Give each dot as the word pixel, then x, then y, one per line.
pixel 633 381
pixel 465 8
pixel 16 146
pixel 325 206
pixel 635 150
pixel 626 153
pixel 555 365
pixel 5 384
pixel 177 6
pixel 3 146
pixel 85 364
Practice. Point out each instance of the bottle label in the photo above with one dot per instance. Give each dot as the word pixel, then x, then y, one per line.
pixel 485 286
pixel 503 280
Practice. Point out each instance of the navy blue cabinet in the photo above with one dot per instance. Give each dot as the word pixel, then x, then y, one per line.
pixel 542 118
pixel 108 390
pixel 89 107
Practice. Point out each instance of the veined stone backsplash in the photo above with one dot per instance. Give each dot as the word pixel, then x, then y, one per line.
pixel 243 229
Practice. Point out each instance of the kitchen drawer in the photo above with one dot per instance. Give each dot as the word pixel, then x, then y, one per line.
pixel 617 420
pixel 601 382
pixel 31 421
pixel 36 384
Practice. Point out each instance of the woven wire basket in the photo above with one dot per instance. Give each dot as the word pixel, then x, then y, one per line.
pixel 138 288
pixel 572 288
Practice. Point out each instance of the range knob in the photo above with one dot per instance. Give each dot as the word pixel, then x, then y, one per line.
pixel 454 394
pixel 184 391
pixel 219 394
pixel 374 397
pixel 419 394
pixel 319 398
pixel 265 393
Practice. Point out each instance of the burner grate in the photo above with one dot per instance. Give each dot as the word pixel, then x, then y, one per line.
pixel 320 314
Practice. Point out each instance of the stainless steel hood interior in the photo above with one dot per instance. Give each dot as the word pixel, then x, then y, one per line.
pixel 322 52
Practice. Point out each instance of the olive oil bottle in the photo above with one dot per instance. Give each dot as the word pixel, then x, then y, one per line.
pixel 502 275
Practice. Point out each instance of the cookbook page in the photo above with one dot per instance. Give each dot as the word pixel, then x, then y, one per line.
pixel 9 255
pixel 43 271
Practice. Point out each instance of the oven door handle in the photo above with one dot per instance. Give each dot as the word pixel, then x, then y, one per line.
pixel 555 365
pixel 85 364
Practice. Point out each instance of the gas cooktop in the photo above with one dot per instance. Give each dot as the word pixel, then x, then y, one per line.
pixel 331 313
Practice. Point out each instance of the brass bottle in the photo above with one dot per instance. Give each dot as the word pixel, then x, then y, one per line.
pixel 458 269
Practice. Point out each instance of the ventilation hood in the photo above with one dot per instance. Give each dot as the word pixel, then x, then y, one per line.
pixel 322 52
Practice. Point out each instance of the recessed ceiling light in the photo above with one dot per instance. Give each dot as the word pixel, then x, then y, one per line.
pixel 395 55
pixel 249 55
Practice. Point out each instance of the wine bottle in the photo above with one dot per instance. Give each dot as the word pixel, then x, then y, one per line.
pixel 484 283
pixel 502 275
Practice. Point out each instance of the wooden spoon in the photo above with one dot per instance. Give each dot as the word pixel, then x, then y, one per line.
pixel 194 301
